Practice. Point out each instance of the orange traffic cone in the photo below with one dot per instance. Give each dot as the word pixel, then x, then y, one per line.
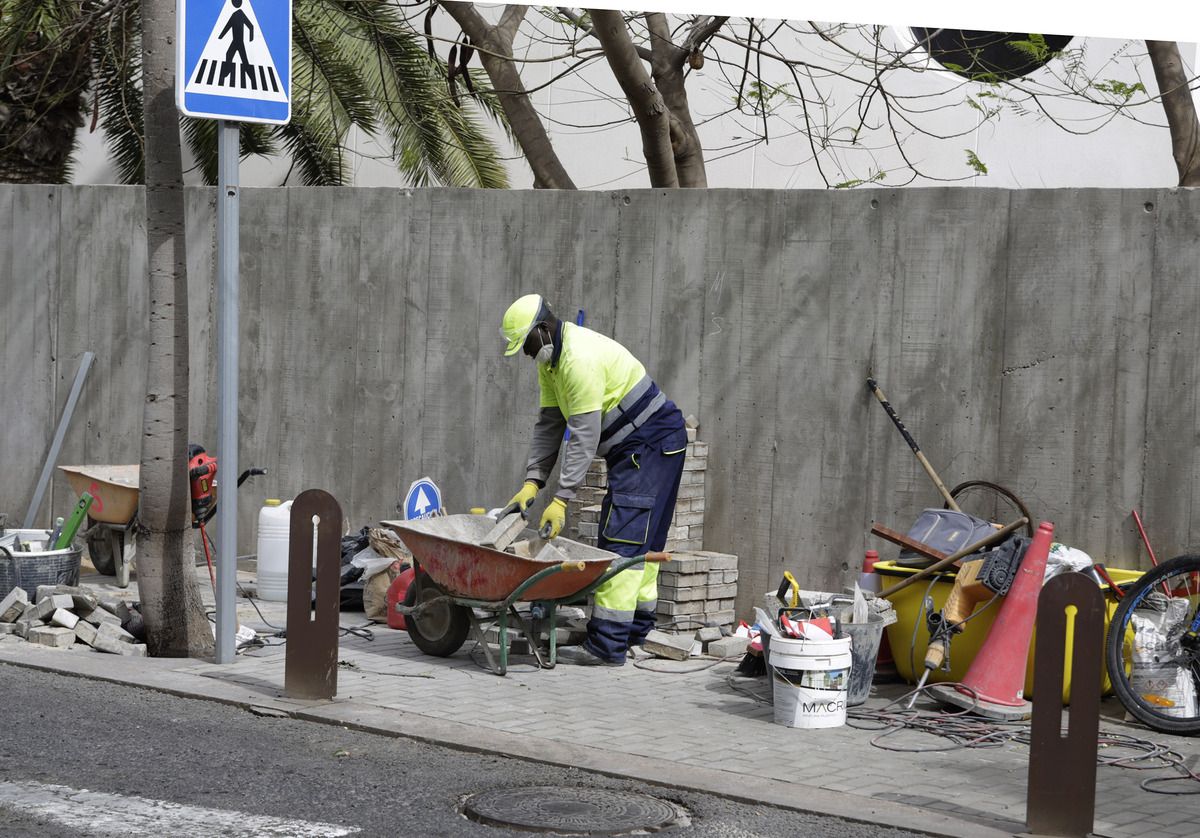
pixel 994 683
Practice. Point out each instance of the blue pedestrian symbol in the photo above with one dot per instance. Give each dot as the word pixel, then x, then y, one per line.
pixel 423 500
pixel 234 59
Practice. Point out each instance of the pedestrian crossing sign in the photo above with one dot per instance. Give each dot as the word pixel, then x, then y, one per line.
pixel 234 60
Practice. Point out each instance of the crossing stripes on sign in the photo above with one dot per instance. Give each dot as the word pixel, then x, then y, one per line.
pixel 235 75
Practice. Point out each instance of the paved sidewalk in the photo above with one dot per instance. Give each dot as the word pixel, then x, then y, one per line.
pixel 700 729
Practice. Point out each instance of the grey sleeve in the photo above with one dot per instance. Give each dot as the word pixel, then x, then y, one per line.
pixel 581 448
pixel 543 448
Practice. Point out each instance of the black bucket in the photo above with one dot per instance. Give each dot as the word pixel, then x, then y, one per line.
pixel 38 567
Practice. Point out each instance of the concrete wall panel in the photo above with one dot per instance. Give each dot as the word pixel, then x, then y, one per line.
pixel 1044 340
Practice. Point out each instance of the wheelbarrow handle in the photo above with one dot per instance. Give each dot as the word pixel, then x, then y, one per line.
pixel 658 557
pixel 573 565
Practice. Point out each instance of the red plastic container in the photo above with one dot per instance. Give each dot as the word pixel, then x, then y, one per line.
pixel 395 594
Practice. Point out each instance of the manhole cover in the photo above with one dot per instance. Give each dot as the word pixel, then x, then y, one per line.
pixel 572 810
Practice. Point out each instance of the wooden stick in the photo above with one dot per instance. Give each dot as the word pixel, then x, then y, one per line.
pixel 907 543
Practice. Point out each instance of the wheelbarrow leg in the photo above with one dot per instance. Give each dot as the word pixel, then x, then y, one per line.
pixel 481 640
pixel 129 554
pixel 552 633
pixel 529 629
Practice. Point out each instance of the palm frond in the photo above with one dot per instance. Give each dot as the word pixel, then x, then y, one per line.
pixel 117 56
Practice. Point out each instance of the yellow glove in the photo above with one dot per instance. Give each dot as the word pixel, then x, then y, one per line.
pixel 553 519
pixel 521 500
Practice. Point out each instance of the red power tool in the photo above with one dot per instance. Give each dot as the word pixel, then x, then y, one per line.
pixel 202 471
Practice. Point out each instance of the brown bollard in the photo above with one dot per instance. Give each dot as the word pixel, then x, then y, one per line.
pixel 310 664
pixel 1062 769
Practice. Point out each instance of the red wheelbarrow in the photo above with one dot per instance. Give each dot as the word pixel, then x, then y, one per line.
pixel 456 575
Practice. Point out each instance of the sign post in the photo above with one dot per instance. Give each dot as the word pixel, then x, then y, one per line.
pixel 232 65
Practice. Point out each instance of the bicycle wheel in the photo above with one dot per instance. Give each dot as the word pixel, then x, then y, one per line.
pixel 1153 649
pixel 991 502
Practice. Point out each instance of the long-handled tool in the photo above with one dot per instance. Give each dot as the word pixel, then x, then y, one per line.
pixel 912 443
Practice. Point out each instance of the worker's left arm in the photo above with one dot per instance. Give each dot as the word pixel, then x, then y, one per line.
pixel 581 448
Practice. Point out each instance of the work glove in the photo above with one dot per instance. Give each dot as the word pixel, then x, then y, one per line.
pixel 553 519
pixel 521 500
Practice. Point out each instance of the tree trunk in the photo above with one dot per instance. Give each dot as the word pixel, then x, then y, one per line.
pixel 166 572
pixel 649 109
pixel 667 67
pixel 1179 107
pixel 495 51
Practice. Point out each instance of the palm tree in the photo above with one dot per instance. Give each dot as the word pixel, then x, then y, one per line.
pixel 355 65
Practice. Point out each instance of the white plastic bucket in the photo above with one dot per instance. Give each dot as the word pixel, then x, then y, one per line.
pixel 274 525
pixel 810 678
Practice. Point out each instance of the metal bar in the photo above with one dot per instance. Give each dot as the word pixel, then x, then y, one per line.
pixel 618 566
pixel 85 364
pixel 515 596
pixel 228 247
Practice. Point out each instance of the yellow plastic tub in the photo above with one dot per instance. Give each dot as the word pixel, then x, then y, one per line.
pixel 908 648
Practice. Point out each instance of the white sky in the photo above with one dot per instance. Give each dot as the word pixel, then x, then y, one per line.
pixel 1019 151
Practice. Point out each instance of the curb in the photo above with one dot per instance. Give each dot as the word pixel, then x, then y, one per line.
pixel 463 737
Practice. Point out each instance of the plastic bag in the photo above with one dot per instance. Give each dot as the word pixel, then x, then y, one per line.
pixel 370 562
pixel 1064 559
pixel 1155 675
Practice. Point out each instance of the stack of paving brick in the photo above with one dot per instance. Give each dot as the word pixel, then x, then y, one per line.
pixel 62 614
pixel 687 526
pixel 697 588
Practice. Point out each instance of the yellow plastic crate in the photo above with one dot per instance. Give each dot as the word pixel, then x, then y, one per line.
pixel 908 648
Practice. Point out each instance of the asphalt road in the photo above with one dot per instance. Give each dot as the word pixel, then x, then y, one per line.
pixel 133 749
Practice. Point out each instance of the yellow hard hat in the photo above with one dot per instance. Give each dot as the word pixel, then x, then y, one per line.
pixel 519 321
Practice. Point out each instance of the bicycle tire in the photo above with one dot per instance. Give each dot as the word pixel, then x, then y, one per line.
pixel 986 487
pixel 1153 715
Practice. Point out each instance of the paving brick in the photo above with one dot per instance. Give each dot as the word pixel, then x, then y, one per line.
pixel 8 628
pixel 56 637
pixel 49 604
pixel 691 434
pixel 108 630
pixel 13 604
pixel 691 490
pixel 686 562
pixel 85 632
pixel 708 634
pixel 701 449
pixel 664 645
pixel 675 609
pixel 682 594
pixel 116 607
pixel 674 579
pixel 722 591
pixel 64 618
pixel 720 561
pixel 102 616
pixel 728 647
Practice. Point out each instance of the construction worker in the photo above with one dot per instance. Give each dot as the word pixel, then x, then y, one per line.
pixel 596 389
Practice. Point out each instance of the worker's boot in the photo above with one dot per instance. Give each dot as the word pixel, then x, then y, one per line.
pixel 582 656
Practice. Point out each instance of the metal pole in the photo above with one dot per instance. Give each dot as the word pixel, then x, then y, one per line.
pixel 85 364
pixel 227 384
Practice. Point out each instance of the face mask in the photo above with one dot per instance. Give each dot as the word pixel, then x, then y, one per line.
pixel 545 354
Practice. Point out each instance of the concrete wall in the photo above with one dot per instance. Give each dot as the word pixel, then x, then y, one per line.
pixel 1042 339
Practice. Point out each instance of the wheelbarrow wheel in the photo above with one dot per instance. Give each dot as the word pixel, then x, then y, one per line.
pixel 442 628
pixel 100 549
